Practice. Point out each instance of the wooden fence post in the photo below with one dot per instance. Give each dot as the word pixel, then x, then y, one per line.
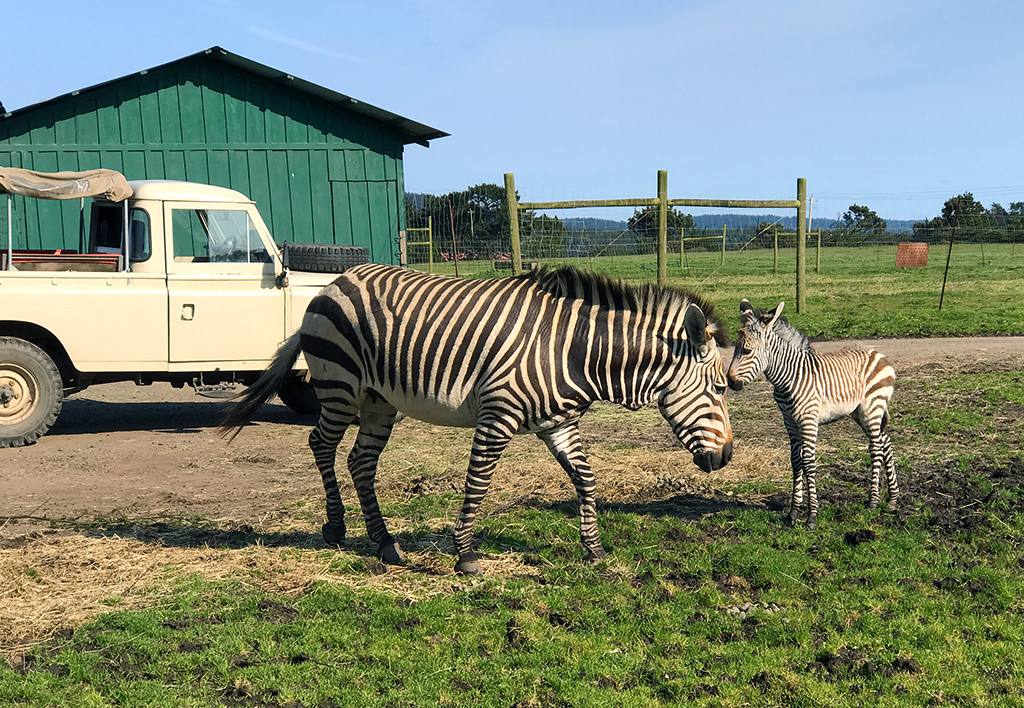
pixel 662 227
pixel 801 245
pixel 513 222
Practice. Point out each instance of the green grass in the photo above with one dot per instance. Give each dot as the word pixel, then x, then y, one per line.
pixel 926 612
pixel 859 292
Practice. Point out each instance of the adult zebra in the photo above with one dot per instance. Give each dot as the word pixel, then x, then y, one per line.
pixel 526 354
pixel 812 388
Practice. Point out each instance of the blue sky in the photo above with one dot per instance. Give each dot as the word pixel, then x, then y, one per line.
pixel 895 105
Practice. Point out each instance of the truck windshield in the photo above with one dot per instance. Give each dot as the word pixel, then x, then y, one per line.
pixel 216 236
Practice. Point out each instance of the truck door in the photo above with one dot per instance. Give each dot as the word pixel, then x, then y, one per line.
pixel 225 308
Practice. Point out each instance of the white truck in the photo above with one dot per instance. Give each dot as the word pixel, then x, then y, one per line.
pixel 173 281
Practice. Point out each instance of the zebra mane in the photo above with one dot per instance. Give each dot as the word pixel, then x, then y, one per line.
pixel 787 332
pixel 601 290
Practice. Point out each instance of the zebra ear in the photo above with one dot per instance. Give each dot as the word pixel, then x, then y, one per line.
pixel 746 312
pixel 776 313
pixel 695 324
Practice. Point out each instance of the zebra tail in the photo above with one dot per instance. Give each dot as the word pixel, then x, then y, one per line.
pixel 241 412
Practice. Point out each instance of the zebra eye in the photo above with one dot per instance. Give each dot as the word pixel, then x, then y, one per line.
pixel 746 351
pixel 720 390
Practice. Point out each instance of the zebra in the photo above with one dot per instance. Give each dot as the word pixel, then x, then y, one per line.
pixel 521 354
pixel 812 388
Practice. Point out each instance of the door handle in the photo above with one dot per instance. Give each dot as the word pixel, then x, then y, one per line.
pixel 188 312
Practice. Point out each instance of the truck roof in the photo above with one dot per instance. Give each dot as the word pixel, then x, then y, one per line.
pixel 171 190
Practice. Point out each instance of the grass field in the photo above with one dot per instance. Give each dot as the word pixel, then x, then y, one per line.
pixel 707 599
pixel 859 292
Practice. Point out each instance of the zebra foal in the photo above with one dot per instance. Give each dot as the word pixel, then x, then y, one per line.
pixel 524 354
pixel 812 388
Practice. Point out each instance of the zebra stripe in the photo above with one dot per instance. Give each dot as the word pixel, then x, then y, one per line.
pixel 505 356
pixel 812 389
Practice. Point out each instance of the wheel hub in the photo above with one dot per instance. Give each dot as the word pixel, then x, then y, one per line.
pixel 18 394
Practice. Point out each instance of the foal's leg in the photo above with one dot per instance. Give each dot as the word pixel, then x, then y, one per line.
pixel 803 437
pixel 871 425
pixel 796 460
pixel 376 420
pixel 566 446
pixel 796 499
pixel 810 469
pixel 323 441
pixel 890 470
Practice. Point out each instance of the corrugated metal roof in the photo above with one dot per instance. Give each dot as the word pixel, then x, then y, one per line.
pixel 412 131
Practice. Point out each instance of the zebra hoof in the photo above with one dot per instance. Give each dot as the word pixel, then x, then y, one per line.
pixel 595 554
pixel 892 505
pixel 391 553
pixel 872 505
pixel 468 565
pixel 334 533
pixel 789 520
pixel 812 524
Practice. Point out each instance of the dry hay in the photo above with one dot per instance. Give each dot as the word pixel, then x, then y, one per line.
pixel 56 580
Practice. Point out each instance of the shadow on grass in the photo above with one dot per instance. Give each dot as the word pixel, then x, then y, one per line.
pixel 196 532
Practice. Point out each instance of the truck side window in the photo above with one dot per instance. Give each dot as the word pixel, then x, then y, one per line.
pixel 216 236
pixel 138 229
pixel 107 231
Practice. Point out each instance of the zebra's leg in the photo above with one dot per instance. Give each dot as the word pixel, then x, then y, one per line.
pixel 489 441
pixel 890 470
pixel 810 469
pixel 376 420
pixel 323 441
pixel 875 449
pixel 796 462
pixel 565 444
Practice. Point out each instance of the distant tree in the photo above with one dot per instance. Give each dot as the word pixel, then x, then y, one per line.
pixel 965 212
pixel 964 205
pixel 477 215
pixel 860 218
pixel 1016 208
pixel 764 236
pixel 646 220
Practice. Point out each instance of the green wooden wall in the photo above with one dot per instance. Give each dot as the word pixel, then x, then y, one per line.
pixel 317 172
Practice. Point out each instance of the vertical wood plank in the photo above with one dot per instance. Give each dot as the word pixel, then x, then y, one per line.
pixel 300 195
pixel 190 105
pixel 280 197
pixel 320 197
pixel 169 111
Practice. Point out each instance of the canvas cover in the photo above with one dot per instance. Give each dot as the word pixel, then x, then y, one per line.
pixel 109 184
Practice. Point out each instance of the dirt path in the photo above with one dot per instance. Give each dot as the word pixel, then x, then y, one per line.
pixel 121 450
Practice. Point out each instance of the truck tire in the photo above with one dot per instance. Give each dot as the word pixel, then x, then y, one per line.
pixel 31 392
pixel 324 257
pixel 299 395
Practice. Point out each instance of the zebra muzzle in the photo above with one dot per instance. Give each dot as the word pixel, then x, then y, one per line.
pixel 709 460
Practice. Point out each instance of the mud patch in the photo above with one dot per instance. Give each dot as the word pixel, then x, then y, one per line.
pixel 949 498
pixel 849 663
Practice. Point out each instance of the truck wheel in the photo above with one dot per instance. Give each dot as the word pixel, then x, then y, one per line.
pixel 299 395
pixel 324 257
pixel 31 392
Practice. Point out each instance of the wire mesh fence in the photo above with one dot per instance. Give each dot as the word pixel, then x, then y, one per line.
pixel 469 232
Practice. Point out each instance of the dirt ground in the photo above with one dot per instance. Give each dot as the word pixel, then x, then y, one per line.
pixel 125 451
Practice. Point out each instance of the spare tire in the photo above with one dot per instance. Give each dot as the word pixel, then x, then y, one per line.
pixel 323 257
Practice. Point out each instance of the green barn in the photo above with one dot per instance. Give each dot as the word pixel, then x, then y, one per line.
pixel 322 167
